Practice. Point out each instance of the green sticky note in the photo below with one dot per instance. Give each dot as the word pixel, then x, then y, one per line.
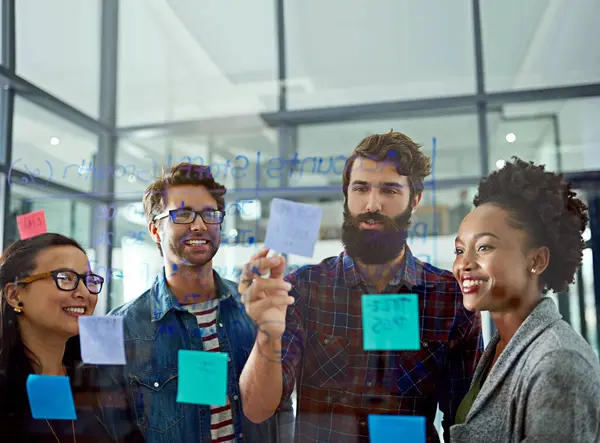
pixel 202 378
pixel 390 322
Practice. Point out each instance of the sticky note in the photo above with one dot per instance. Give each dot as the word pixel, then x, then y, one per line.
pixel 32 224
pixel 293 228
pixel 101 339
pixel 202 378
pixel 50 397
pixel 390 322
pixel 401 427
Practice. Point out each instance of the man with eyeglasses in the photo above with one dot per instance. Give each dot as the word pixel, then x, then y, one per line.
pixel 191 307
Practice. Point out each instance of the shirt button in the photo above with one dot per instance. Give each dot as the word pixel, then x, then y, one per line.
pixel 228 358
pixel 425 344
pixel 241 435
pixel 235 397
pixel 220 325
pixel 369 384
pixel 363 423
pixel 326 341
pixel 156 384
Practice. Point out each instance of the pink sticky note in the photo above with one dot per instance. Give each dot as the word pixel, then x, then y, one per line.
pixel 32 224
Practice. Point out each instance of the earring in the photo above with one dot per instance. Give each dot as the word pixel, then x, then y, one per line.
pixel 533 270
pixel 19 308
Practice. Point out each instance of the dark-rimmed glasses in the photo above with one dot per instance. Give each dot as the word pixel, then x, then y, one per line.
pixel 182 216
pixel 67 280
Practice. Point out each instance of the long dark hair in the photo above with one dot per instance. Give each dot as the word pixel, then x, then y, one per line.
pixel 16 262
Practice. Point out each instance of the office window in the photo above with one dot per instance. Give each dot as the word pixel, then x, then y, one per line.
pixel 58 49
pixel 238 159
pixel 345 53
pixel 187 60
pixel 323 148
pixel 64 215
pixel 46 146
pixel 540 43
pixel 562 134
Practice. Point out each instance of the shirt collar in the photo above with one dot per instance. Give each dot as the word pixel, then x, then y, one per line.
pixel 406 276
pixel 163 300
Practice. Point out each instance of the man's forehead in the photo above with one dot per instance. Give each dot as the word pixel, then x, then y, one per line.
pixel 189 196
pixel 377 174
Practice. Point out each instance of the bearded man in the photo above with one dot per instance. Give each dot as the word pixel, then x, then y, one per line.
pixel 310 322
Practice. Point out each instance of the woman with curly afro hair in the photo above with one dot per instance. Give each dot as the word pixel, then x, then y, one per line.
pixel 538 380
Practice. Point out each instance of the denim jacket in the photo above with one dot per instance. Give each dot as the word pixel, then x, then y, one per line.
pixel 155 328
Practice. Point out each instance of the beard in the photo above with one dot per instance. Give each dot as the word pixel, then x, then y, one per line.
pixel 375 246
pixel 190 258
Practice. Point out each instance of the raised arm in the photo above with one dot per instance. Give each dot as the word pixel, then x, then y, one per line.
pixel 266 301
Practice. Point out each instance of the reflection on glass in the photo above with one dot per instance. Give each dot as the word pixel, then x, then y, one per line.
pixel 540 44
pixel 338 55
pixel 58 53
pixel 559 134
pixel 48 148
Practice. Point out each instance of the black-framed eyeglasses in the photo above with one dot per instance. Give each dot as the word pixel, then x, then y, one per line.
pixel 183 216
pixel 67 280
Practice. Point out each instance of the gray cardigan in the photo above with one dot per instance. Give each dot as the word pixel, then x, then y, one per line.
pixel 545 387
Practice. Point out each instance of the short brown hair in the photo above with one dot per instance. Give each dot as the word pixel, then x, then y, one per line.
pixel 398 149
pixel 181 175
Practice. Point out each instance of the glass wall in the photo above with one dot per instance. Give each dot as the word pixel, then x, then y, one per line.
pixel 274 96
pixel 58 49
pixel 540 44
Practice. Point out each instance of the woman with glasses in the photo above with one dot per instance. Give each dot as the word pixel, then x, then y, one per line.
pixel 46 286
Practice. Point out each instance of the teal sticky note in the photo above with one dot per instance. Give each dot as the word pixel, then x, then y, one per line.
pixel 50 397
pixel 401 427
pixel 390 322
pixel 202 378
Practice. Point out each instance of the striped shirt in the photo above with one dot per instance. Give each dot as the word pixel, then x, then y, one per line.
pixel 221 419
pixel 339 384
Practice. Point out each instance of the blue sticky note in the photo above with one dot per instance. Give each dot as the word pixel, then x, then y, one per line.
pixel 293 227
pixel 202 378
pixel 390 322
pixel 401 427
pixel 50 397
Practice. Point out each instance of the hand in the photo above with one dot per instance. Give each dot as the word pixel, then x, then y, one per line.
pixel 266 299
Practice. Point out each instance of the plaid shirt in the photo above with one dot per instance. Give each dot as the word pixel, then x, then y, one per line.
pixel 339 384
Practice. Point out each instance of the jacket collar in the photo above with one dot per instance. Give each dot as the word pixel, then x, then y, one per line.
pixel 543 316
pixel 163 300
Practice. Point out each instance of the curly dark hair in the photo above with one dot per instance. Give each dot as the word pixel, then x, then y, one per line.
pixel 543 205
pixel 397 148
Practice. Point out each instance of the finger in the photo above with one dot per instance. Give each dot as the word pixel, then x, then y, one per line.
pixel 256 268
pixel 277 270
pixel 261 253
pixel 276 301
pixel 260 286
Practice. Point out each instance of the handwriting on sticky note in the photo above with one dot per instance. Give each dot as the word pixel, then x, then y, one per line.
pixel 101 340
pixel 293 228
pixel 32 224
pixel 410 428
pixel 50 397
pixel 202 378
pixel 390 322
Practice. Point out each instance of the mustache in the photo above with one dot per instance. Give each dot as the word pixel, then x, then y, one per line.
pixel 387 222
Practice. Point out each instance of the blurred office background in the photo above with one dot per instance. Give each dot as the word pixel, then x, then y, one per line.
pixel 99 95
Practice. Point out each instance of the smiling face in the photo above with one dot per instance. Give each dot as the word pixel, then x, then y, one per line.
pixel 377 212
pixel 48 310
pixel 494 262
pixel 194 243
